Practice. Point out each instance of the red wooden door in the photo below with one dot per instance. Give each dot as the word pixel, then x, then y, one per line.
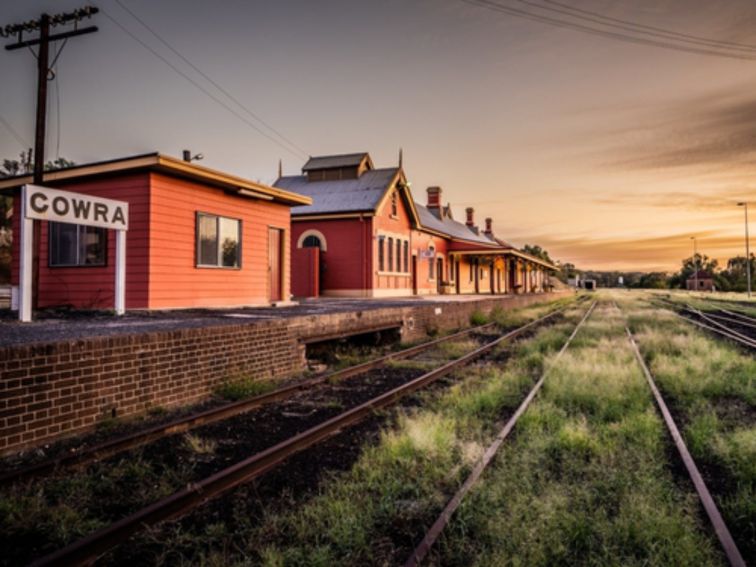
pixel 275 262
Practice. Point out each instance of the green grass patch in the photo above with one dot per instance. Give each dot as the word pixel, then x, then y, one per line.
pixel 241 388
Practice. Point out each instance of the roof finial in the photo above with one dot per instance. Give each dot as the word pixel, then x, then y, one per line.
pixel 401 157
pixel 280 168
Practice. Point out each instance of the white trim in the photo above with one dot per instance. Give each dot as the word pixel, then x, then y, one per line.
pixel 316 233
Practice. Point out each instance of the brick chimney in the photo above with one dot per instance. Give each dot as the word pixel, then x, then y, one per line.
pixel 489 227
pixel 434 197
pixel 470 214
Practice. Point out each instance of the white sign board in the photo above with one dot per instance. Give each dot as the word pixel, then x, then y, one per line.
pixel 42 203
pixel 427 254
pixel 75 208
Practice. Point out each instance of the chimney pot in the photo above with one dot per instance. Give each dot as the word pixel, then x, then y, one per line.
pixel 434 197
pixel 489 226
pixel 470 217
pixel 187 155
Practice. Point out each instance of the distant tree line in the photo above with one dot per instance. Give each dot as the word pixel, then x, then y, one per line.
pixel 732 277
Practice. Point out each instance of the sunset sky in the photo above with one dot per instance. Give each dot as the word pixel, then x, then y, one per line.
pixel 608 154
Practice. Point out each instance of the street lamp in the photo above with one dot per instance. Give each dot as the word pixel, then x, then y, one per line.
pixel 695 262
pixel 748 250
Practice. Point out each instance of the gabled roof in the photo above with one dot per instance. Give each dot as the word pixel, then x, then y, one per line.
pixel 342 195
pixel 341 160
pixel 701 275
pixel 167 165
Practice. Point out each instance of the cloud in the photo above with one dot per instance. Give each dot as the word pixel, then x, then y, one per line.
pixel 717 130
pixel 720 200
pixel 652 253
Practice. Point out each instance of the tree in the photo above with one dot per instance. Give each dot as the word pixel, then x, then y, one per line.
pixel 699 262
pixel 25 165
pixel 537 251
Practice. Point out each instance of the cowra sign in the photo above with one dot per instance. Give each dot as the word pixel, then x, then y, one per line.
pixel 47 204
pixel 43 203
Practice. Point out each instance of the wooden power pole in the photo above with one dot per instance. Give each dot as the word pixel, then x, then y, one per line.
pixel 42 25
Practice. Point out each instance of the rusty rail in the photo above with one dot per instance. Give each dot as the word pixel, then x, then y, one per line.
pixel 97 543
pixel 421 551
pixel 718 523
pixel 213 415
pixel 720 328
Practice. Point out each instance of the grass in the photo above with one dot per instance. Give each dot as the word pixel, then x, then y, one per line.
pixel 711 387
pixel 241 388
pixel 587 479
pixel 369 514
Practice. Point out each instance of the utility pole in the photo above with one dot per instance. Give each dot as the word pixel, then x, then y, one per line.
pixel 695 262
pixel 748 248
pixel 44 71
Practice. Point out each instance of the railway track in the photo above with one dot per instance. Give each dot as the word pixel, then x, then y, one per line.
pixel 187 423
pixel 721 530
pixel 736 327
pixel 425 545
pixel 197 493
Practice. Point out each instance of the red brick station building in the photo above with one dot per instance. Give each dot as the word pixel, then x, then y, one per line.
pixel 365 236
pixel 203 238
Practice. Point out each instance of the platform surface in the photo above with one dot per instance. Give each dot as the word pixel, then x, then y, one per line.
pixel 55 326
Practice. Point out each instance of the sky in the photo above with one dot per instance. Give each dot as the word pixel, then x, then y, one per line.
pixel 609 154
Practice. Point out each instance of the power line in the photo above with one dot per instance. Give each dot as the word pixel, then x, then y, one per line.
pixel 200 87
pixel 713 42
pixel 556 22
pixel 14 133
pixel 209 79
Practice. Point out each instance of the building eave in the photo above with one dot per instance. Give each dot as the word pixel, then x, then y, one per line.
pixel 174 167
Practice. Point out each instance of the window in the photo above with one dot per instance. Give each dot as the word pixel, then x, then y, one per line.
pixel 398 255
pixel 390 254
pixel 218 241
pixel 431 262
pixel 394 204
pixel 311 242
pixel 381 252
pixel 406 256
pixel 77 245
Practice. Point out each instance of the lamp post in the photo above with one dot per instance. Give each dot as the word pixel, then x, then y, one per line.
pixel 748 249
pixel 695 262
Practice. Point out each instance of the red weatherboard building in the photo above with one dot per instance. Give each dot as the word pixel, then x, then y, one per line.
pixel 197 238
pixel 365 236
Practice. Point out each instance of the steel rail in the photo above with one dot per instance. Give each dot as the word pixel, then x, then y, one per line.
pixel 720 528
pixel 99 542
pixel 717 331
pixel 421 551
pixel 743 339
pixel 213 415
pixel 742 316
pixel 731 320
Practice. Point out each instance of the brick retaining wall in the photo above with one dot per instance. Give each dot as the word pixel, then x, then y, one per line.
pixel 48 391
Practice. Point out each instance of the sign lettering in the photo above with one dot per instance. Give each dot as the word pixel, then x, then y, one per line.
pixel 77 208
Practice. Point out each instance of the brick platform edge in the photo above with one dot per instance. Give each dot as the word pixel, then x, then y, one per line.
pixel 50 391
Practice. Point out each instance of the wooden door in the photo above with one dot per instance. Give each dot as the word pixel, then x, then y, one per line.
pixel 439 274
pixel 275 263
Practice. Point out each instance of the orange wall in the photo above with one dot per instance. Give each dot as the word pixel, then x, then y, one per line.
pixel 175 280
pixel 398 226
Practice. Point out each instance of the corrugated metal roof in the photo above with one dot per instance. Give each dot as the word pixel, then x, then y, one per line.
pixel 340 196
pixel 448 226
pixel 327 162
